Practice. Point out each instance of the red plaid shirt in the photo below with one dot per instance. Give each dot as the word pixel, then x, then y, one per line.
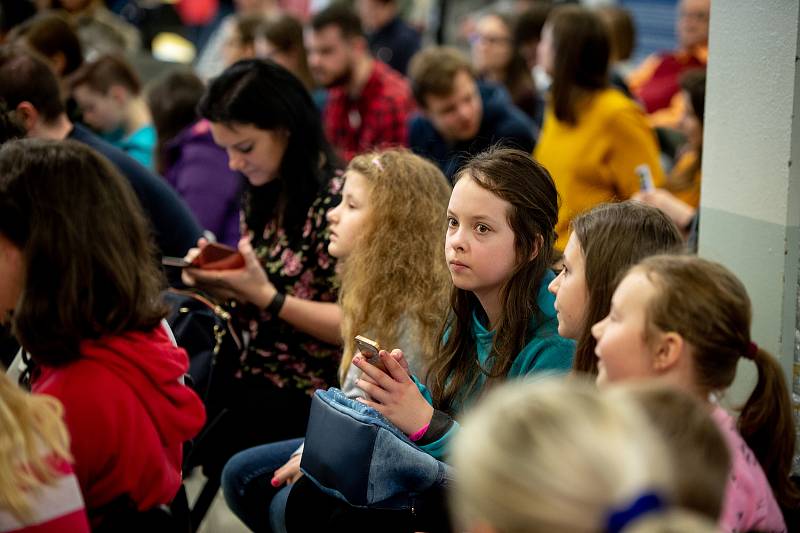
pixel 377 119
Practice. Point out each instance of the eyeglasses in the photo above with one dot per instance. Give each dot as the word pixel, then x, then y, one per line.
pixel 491 40
pixel 696 16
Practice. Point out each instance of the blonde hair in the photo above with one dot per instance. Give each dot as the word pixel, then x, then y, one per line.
pixel 698 449
pixel 554 455
pixel 673 521
pixel 32 436
pixel 397 271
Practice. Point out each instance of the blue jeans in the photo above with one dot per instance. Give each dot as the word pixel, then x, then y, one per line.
pixel 246 484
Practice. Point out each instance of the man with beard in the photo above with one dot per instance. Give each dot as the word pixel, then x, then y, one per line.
pixel 368 104
pixel 461 117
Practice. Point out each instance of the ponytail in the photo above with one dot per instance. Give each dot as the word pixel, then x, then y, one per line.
pixel 708 306
pixel 767 415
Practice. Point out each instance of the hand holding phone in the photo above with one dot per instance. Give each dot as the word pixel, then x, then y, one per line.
pixel 213 256
pixel 369 349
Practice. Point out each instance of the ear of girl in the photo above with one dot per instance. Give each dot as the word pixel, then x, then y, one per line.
pixel 699 312
pixel 502 322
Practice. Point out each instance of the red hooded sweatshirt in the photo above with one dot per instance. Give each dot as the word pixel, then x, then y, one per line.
pixel 128 416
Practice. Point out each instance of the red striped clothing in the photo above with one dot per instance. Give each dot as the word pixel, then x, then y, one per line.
pixel 54 508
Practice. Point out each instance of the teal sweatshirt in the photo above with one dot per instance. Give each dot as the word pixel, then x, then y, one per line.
pixel 545 352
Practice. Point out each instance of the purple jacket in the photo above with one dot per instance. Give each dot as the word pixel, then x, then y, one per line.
pixel 198 170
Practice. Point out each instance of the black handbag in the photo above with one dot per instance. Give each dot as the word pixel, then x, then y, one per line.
pixel 206 330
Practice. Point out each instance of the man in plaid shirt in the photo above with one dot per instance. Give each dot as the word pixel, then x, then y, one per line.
pixel 368 104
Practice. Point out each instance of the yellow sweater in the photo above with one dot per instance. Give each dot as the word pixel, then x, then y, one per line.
pixel 594 161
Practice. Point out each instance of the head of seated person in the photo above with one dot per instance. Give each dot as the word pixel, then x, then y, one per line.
pixel 692 23
pixel 695 444
pixel 241 41
pixel 106 90
pixel 558 455
pixel 447 92
pixel 53 36
pixel 338 51
pixel 97 267
pixel 280 39
pixel 31 91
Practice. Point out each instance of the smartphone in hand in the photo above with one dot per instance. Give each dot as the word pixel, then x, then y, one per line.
pixel 213 256
pixel 369 349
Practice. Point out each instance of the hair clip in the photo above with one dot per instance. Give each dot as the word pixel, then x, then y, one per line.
pixel 377 163
pixel 752 350
pixel 619 519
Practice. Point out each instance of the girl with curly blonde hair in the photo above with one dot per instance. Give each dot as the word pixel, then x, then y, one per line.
pixel 37 486
pixel 395 282
pixel 388 236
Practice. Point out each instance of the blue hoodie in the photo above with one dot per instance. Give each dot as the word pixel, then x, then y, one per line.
pixel 502 123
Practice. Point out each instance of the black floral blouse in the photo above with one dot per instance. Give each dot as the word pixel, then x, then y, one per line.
pixel 300 267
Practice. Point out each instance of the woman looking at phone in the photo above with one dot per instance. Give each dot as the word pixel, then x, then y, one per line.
pixel 266 121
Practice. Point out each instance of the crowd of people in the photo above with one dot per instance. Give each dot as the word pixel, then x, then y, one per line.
pixel 487 247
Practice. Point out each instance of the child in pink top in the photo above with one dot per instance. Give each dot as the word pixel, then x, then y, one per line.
pixel 749 503
pixel 686 321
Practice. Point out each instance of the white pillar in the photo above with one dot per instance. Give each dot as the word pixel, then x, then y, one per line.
pixel 750 212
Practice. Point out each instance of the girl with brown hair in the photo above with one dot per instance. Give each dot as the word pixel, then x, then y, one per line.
pixel 604 242
pixel 502 324
pixel 81 289
pixel 686 321
pixel 595 141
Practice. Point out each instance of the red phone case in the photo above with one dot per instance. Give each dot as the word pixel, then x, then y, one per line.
pixel 216 256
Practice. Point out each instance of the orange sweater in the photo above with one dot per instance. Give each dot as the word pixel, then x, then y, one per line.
pixel 594 161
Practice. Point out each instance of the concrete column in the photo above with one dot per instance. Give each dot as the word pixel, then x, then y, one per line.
pixel 750 212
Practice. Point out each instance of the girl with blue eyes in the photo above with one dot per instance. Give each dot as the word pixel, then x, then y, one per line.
pixel 501 324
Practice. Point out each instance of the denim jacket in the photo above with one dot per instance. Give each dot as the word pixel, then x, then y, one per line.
pixel 355 454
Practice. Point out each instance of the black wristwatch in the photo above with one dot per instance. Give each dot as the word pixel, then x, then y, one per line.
pixel 276 304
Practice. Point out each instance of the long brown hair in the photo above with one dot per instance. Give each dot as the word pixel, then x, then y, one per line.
pixel 517 78
pixel 516 178
pixel 285 33
pixel 613 237
pixel 708 306
pixel 408 198
pixel 581 49
pixel 90 267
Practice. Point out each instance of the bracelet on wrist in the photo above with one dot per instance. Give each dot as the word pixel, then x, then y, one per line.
pixel 418 434
pixel 276 304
